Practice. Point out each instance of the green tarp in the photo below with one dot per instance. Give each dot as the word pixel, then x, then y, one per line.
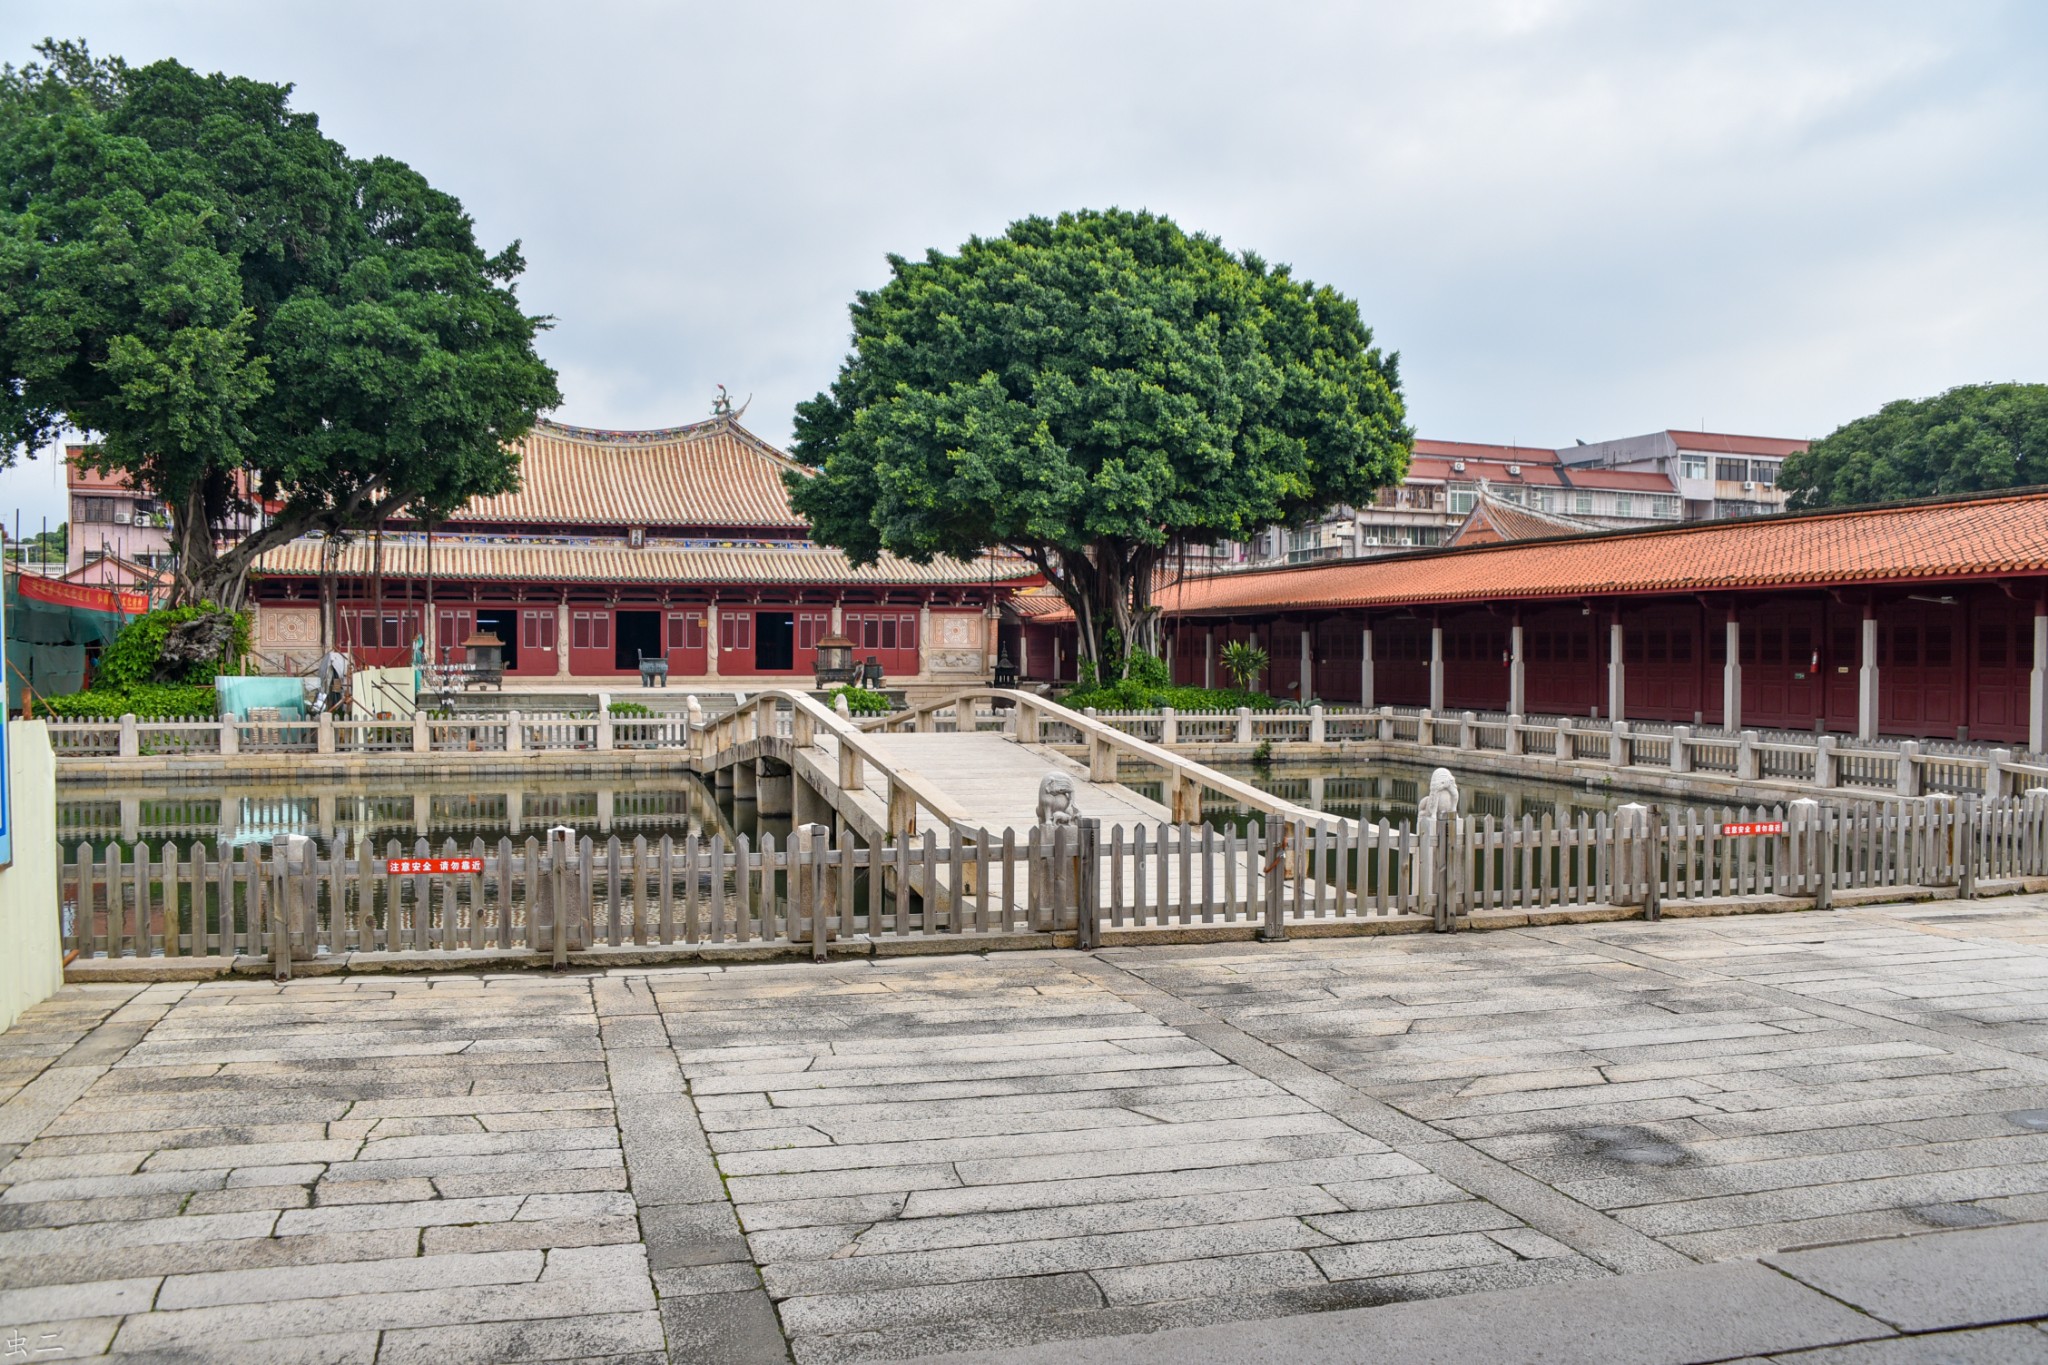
pixel 50 644
pixel 237 695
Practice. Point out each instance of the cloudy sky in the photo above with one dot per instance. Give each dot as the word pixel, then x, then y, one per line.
pixel 1573 219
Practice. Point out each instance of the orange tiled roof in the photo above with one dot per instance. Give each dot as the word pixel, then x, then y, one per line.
pixel 1494 519
pixel 711 473
pixel 514 561
pixel 1963 538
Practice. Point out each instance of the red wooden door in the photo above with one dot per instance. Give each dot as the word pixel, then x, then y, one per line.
pixel 686 638
pixel 450 631
pixel 811 627
pixel 1339 646
pixel 1476 665
pixel 1400 669
pixel 537 656
pixel 1919 669
pixel 735 641
pixel 1564 674
pixel 2000 668
pixel 590 641
pixel 888 635
pixel 1660 663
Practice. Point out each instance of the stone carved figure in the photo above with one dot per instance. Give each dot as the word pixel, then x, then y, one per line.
pixel 1442 801
pixel 839 705
pixel 1057 804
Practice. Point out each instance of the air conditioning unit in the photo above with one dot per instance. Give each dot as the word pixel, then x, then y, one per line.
pixel 1457 466
pixel 142 519
pixel 1749 485
pixel 123 518
pixel 1372 540
pixel 1514 471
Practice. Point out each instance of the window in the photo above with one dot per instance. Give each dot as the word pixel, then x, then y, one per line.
pixel 99 511
pixel 1764 472
pixel 1582 503
pixel 1461 501
pixel 1624 505
pixel 1667 508
pixel 1731 471
pixel 1692 466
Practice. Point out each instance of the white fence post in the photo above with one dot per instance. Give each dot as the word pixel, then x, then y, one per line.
pixel 1909 770
pixel 1620 749
pixel 131 740
pixel 1169 727
pixel 1512 743
pixel 1681 749
pixel 1826 767
pixel 514 739
pixel 323 731
pixel 422 733
pixel 1746 757
pixel 1994 774
pixel 1244 725
pixel 230 736
pixel 1316 724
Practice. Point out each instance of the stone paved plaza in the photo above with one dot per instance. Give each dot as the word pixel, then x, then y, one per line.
pixel 883 1160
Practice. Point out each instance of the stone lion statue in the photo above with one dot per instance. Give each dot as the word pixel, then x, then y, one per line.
pixel 1442 800
pixel 1057 803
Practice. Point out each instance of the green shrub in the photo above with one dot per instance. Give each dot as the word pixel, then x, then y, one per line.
pixel 628 710
pixel 151 701
pixel 1244 661
pixel 860 701
pixel 1132 695
pixel 132 659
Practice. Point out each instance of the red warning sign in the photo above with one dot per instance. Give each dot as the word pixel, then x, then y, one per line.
pixel 404 867
pixel 1736 831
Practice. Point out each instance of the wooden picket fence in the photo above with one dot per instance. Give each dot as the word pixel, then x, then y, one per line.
pixel 572 894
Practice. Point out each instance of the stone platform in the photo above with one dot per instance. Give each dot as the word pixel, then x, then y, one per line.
pixel 1569 1142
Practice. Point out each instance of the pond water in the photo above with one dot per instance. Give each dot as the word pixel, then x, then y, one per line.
pixel 404 810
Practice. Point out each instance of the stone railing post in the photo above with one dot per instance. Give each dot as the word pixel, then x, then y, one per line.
pixel 131 739
pixel 230 736
pixel 1169 727
pixel 1681 749
pixel 1386 725
pixel 515 739
pixel 1511 739
pixel 963 716
pixel 1826 765
pixel 1466 737
pixel 1317 725
pixel 1909 768
pixel 1102 757
pixel 1995 780
pixel 323 733
pixel 1244 725
pixel 1746 757
pixel 422 733
pixel 1621 749
pixel 1425 726
pixel 1632 861
pixel 1564 746
pixel 1027 722
pixel 605 734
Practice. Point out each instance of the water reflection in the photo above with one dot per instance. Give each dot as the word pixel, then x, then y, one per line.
pixel 393 809
pixel 397 809
pixel 1389 792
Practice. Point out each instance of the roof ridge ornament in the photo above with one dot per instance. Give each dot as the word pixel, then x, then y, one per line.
pixel 721 405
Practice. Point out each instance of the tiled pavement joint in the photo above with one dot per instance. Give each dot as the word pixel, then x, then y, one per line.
pixel 714 1310
pixel 1584 1229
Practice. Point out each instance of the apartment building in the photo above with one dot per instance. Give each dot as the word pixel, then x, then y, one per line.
pixel 1718 474
pixel 120 537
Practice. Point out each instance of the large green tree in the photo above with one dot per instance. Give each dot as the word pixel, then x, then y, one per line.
pixel 1094 390
pixel 1972 438
pixel 236 312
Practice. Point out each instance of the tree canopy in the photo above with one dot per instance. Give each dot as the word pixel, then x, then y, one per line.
pixel 235 311
pixel 1970 439
pixel 1094 390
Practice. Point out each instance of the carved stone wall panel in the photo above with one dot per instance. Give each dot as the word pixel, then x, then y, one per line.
pixel 284 627
pixel 956 661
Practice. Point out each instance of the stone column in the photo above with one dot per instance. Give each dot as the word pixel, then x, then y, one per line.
pixel 838 617
pixel 1365 698
pixel 711 641
pixel 1436 668
pixel 561 639
pixel 1866 677
pixel 1731 677
pixel 1617 681
pixel 1517 688
pixel 1208 656
pixel 924 638
pixel 2037 684
pixel 1308 666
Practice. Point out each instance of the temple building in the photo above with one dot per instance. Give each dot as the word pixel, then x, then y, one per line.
pixel 623 546
pixel 1924 620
